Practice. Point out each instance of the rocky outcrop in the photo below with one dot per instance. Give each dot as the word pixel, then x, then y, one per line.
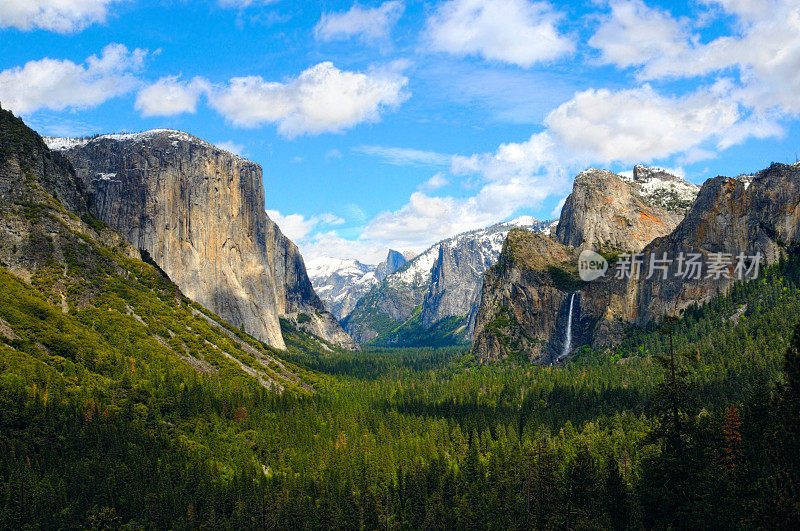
pixel 457 277
pixel 729 218
pixel 297 299
pixel 50 241
pixel 608 211
pixel 522 309
pixel 199 213
pixel 394 261
pixel 28 165
pixel 523 300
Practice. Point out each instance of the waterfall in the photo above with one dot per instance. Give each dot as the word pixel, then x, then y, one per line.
pixel 568 334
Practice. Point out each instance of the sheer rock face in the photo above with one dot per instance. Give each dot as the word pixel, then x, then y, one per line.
pixel 199 212
pixel 730 216
pixel 522 306
pixel 607 211
pixel 456 279
pixel 394 261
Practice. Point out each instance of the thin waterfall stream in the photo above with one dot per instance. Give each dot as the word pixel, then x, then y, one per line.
pixel 568 334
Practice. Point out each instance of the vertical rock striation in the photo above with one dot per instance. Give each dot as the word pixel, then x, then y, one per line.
pixel 199 212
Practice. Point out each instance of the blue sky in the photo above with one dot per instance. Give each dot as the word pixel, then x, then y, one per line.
pixel 398 123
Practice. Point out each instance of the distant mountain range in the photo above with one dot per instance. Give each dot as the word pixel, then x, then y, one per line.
pixel 429 299
pixel 341 282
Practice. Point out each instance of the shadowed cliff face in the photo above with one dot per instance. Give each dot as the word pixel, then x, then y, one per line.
pixel 199 212
pixel 522 298
pixel 522 305
pixel 729 216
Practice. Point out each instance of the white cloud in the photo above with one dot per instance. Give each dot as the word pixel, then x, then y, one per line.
pixel 321 99
pixel 556 212
pixel 405 156
pixel 294 226
pixel 331 243
pixel 297 227
pixel 62 16
pixel 515 176
pixel 640 124
pixel 330 219
pixel 519 32
pixel 233 147
pixel 369 23
pixel 763 47
pixel 333 154
pixel 170 96
pixel 635 34
pixel 59 84
pixel 434 183
pixel 243 4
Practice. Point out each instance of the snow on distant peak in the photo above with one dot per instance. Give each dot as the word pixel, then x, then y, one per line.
pixel 325 266
pixel 524 222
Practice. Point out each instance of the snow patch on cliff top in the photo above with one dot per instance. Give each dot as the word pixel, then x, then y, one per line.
pixel 60 143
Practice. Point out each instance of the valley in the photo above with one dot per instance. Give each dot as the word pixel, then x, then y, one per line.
pixel 491 384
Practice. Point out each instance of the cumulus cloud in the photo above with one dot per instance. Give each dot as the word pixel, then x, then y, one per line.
pixel 640 124
pixel 515 176
pixel 519 32
pixel 405 156
pixel 321 99
pixel 439 180
pixel 332 244
pixel 170 96
pixel 297 227
pixel 368 23
pixel 61 16
pixel 763 47
pixel 59 84
pixel 635 34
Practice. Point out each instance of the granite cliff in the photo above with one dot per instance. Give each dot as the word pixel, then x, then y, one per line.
pixel 608 211
pixel 522 311
pixel 199 213
pixel 80 299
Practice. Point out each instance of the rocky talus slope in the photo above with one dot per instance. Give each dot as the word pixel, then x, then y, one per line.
pixel 198 211
pixel 758 215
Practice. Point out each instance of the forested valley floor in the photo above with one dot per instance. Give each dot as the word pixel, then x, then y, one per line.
pixel 99 429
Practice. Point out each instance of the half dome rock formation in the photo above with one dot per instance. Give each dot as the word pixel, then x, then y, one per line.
pixel 433 298
pixel 198 211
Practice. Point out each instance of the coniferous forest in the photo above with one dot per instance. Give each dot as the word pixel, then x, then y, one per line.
pixel 101 429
